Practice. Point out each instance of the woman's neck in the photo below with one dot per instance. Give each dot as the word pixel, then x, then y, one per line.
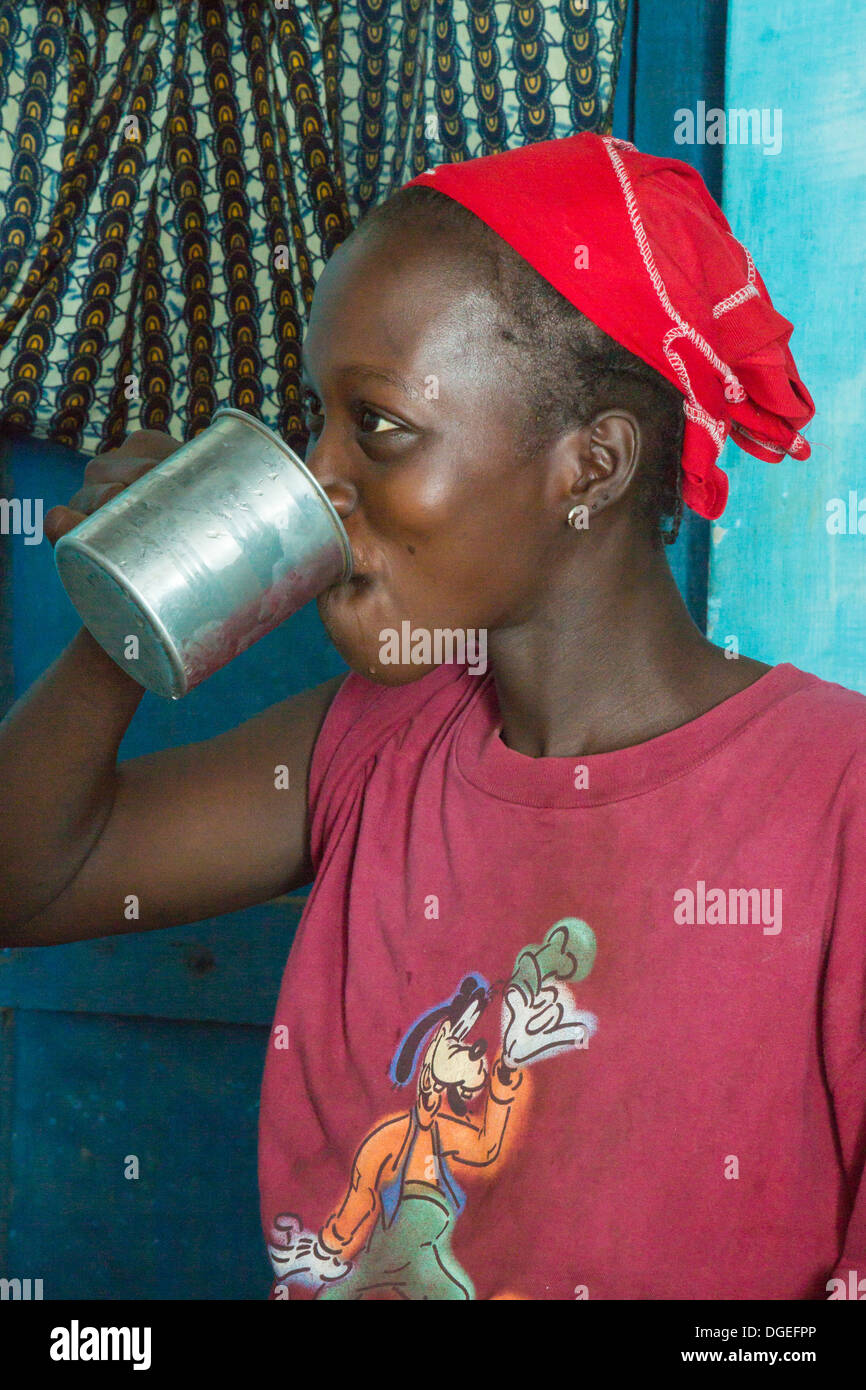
pixel 618 665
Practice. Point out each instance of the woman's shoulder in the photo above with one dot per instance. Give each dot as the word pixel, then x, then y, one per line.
pixel 833 712
pixel 365 715
pixel 817 729
pixel 384 707
pixel 368 722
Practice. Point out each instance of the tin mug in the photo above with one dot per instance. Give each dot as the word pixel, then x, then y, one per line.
pixel 203 555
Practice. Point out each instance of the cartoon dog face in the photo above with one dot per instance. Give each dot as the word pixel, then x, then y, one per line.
pixel 451 1067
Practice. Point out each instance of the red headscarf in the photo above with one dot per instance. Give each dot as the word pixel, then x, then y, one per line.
pixel 638 245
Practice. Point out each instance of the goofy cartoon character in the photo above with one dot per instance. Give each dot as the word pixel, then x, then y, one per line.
pixel 391 1234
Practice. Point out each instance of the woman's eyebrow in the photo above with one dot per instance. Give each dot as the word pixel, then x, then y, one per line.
pixel 378 373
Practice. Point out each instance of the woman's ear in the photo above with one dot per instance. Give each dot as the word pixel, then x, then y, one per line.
pixel 615 446
pixel 599 459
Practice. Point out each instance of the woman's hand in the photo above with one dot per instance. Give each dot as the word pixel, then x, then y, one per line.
pixel 108 474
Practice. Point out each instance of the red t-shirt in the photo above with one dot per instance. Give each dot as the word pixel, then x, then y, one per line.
pixel 560 1028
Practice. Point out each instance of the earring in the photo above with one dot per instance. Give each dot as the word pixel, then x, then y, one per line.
pixel 574 513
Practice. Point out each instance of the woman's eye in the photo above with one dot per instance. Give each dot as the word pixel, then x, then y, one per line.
pixel 369 420
pixel 309 403
pixel 366 413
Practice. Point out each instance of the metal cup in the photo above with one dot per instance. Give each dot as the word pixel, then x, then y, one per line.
pixel 203 555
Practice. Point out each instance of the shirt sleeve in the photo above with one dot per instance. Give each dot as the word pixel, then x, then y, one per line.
pixel 337 753
pixel 844 1020
pixel 362 717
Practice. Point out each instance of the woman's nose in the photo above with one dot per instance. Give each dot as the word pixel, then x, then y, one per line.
pixel 340 490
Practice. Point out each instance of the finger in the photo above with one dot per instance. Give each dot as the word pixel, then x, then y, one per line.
pixel 120 468
pixel 153 442
pixel 93 495
pixel 58 520
pixel 145 444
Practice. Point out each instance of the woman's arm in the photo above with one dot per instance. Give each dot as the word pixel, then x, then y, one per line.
pixel 187 833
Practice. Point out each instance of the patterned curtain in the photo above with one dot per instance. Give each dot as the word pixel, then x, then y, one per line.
pixel 174 176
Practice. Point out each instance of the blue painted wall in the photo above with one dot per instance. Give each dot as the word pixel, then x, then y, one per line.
pixel 788 589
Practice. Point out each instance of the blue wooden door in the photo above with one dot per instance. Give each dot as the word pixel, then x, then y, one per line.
pixel 146 1046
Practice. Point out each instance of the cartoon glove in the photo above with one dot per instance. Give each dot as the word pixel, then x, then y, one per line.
pixel 301 1257
pixel 542 1025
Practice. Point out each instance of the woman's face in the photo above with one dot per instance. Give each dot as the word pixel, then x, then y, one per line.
pixel 449 526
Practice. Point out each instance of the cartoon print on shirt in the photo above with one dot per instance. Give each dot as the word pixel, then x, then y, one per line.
pixel 391 1233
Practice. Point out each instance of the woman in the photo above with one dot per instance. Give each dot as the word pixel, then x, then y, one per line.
pixel 573 1009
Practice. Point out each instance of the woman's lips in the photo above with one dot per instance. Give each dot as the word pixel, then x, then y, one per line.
pixel 355 586
pixel 363 570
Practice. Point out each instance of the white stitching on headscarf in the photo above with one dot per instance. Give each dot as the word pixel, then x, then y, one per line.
pixel 734 391
pixel 749 290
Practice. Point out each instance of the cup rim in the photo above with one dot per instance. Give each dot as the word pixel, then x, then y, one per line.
pixel 348 563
